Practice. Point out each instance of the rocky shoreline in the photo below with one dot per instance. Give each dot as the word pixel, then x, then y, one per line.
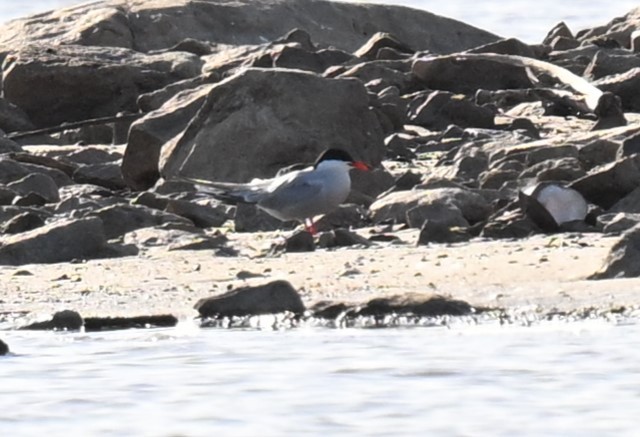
pixel 507 175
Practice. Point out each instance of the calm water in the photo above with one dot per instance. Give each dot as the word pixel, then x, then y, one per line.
pixel 578 378
pixel 525 19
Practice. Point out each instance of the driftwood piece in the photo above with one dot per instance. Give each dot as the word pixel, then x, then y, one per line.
pixel 76 124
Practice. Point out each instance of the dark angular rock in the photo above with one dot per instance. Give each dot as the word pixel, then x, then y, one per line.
pixel 12 118
pixel 123 218
pixel 496 178
pixel 432 306
pixel 93 324
pixel 564 169
pixel 62 84
pixel 630 146
pixel 442 109
pixel 202 216
pixel 605 64
pixel 469 165
pixel 301 241
pixel 394 206
pixel 299 36
pixel 629 203
pixel 108 175
pixel 616 223
pixel 66 320
pixel 625 85
pixel 298 58
pixel 329 310
pixel 448 73
pixel 11 170
pixel 598 152
pixel 37 183
pixel 285 137
pixel 563 43
pixel 47 160
pixel 149 134
pixel 371 183
pixel 623 261
pixel 271 298
pixel 609 112
pixel 509 224
pixel 342 238
pixel 60 241
pixel 607 184
pixel 4 349
pixel 151 200
pixel 436 231
pixel 507 46
pixel 249 218
pixel 6 195
pixel 22 222
pixel 379 41
pixel 447 214
pixel 560 29
pixel 29 199
pixel 345 216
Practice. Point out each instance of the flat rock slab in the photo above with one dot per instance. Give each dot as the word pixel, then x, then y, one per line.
pixel 57 242
pixel 146 25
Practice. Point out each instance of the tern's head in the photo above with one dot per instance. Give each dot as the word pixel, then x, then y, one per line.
pixel 337 156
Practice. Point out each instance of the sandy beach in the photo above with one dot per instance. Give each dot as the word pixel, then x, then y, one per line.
pixel 541 274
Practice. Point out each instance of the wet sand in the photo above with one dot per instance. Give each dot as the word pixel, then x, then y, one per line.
pixel 541 273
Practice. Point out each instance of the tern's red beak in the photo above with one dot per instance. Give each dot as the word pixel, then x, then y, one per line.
pixel 360 165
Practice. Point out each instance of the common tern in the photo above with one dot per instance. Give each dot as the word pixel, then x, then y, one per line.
pixel 297 195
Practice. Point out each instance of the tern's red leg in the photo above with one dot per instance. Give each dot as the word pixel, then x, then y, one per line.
pixel 310 227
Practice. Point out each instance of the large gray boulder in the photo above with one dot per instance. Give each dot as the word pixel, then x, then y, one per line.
pixel 623 261
pixel 607 184
pixel 261 120
pixel 60 241
pixel 146 25
pixel 70 83
pixel 148 134
pixel 273 297
pixel 397 205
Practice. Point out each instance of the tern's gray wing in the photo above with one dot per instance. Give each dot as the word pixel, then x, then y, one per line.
pixel 230 192
pixel 294 200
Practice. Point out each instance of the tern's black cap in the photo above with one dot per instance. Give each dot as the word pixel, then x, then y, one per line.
pixel 335 155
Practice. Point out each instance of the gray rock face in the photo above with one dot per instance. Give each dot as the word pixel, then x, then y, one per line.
pixel 615 223
pixel 441 109
pixel 123 218
pixel 146 25
pixel 23 222
pixel 148 135
pixel 108 175
pixel 623 260
pixel 4 349
pixel 60 241
pixel 271 298
pixel 606 184
pixel 626 85
pixel 38 183
pixel 447 214
pixel 12 118
pixel 434 231
pixel 261 120
pixel 62 84
pixel 395 205
pixel 447 73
